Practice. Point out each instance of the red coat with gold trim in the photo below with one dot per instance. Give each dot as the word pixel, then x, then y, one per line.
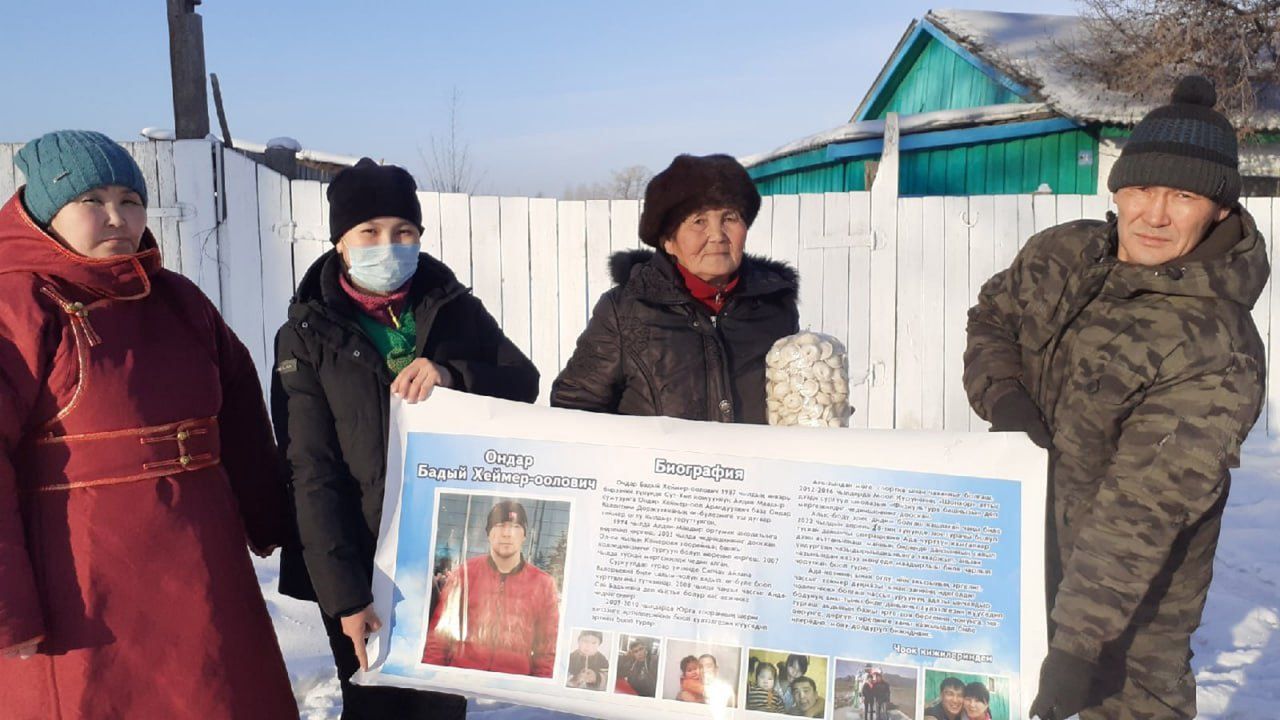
pixel 135 459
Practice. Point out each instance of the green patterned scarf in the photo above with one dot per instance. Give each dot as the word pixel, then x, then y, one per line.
pixel 394 343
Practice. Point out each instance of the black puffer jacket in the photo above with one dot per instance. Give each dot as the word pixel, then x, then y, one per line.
pixel 330 402
pixel 651 349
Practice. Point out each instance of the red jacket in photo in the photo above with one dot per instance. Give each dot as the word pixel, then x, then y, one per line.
pixel 487 620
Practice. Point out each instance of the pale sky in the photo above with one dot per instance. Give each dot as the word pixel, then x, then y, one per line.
pixel 554 94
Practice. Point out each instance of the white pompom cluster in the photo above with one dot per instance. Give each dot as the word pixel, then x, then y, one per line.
pixel 807 381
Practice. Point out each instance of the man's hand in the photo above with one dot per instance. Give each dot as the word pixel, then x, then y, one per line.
pixel 414 383
pixel 1064 686
pixel 23 651
pixel 1017 412
pixel 357 627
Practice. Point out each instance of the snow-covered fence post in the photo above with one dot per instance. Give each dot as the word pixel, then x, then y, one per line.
pixel 884 284
pixel 282 156
pixel 196 182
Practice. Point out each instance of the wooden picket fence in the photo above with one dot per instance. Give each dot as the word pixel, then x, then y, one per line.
pixel 891 277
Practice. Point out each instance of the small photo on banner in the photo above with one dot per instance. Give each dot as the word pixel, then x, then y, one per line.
pixel 867 690
pixel 704 673
pixel 498 578
pixel 588 666
pixel 639 658
pixel 786 683
pixel 950 693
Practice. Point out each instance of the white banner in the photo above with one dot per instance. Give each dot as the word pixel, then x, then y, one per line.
pixel 650 567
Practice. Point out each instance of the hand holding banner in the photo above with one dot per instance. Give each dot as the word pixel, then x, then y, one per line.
pixel 651 567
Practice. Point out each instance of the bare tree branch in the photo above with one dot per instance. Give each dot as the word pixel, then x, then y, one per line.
pixel 449 166
pixel 1142 47
pixel 626 184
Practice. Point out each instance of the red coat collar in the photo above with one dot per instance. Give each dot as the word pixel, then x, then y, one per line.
pixel 27 247
pixel 706 293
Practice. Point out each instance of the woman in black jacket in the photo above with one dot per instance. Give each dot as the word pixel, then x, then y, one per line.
pixel 685 331
pixel 373 315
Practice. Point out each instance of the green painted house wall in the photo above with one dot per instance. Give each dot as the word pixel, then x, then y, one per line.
pixel 1015 166
pixel 936 78
pixel 930 75
pixel 1008 167
pixel 843 176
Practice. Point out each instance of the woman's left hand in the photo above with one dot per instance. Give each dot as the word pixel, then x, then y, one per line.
pixel 415 383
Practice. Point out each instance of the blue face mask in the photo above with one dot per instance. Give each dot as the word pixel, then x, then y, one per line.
pixel 383 268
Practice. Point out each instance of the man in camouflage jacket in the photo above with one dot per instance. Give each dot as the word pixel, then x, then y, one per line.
pixel 1126 348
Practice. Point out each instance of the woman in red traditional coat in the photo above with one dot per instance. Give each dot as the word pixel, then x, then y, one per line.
pixel 135 458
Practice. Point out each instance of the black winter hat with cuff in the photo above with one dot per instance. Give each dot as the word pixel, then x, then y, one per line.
pixel 506 511
pixel 692 183
pixel 368 190
pixel 1186 145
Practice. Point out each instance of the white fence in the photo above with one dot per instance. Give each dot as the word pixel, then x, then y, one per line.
pixel 892 277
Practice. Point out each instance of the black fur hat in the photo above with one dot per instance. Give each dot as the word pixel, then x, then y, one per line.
pixel 692 183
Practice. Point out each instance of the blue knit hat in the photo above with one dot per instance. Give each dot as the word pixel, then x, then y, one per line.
pixel 61 165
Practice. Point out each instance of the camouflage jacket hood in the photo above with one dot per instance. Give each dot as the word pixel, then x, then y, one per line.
pixel 1231 264
pixel 1149 379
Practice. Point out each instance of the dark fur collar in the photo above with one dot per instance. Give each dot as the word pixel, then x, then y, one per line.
pixel 761 275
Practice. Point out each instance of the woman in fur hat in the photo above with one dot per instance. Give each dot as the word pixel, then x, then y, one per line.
pixel 685 331
pixel 136 462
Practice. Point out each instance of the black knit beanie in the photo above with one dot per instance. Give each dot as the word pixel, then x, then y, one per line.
pixel 506 511
pixel 1186 145
pixel 368 190
pixel 692 183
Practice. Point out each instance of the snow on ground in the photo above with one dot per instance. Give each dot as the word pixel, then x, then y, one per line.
pixel 1237 648
pixel 306 649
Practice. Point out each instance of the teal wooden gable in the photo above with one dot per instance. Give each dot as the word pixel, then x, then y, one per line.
pixel 930 72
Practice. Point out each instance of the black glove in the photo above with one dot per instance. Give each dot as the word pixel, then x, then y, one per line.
pixel 1064 686
pixel 1017 412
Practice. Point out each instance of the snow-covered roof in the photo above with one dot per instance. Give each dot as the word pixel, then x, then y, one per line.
pixel 316 156
pixel 908 124
pixel 1025 46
